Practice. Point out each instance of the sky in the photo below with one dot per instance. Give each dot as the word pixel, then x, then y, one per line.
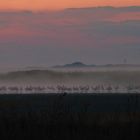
pixel 61 4
pixel 92 35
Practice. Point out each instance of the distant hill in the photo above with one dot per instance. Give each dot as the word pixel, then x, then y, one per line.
pixel 82 65
pixel 74 65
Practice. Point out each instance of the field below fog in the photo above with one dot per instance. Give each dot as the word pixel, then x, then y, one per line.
pixel 70 116
pixel 71 81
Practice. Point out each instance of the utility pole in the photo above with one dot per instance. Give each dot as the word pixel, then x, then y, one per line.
pixel 125 61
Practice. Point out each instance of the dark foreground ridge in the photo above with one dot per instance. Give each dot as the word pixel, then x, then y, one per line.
pixel 70 116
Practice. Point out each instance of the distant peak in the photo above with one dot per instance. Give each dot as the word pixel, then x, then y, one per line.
pixel 78 63
pixel 75 64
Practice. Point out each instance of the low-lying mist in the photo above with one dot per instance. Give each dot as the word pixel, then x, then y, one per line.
pixel 71 81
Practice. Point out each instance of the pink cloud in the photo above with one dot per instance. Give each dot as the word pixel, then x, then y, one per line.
pixel 64 28
pixel 124 17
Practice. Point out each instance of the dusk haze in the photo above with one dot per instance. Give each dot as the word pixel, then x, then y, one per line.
pixel 70 69
pixel 66 35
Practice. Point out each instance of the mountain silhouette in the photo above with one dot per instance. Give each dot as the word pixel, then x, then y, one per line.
pixel 74 65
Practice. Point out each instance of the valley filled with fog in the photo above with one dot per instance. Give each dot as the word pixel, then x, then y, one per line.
pixel 109 79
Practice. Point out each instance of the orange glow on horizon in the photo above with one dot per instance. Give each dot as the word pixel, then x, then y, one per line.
pixel 62 4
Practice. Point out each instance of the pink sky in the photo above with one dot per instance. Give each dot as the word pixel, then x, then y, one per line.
pixel 60 4
pixel 105 35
